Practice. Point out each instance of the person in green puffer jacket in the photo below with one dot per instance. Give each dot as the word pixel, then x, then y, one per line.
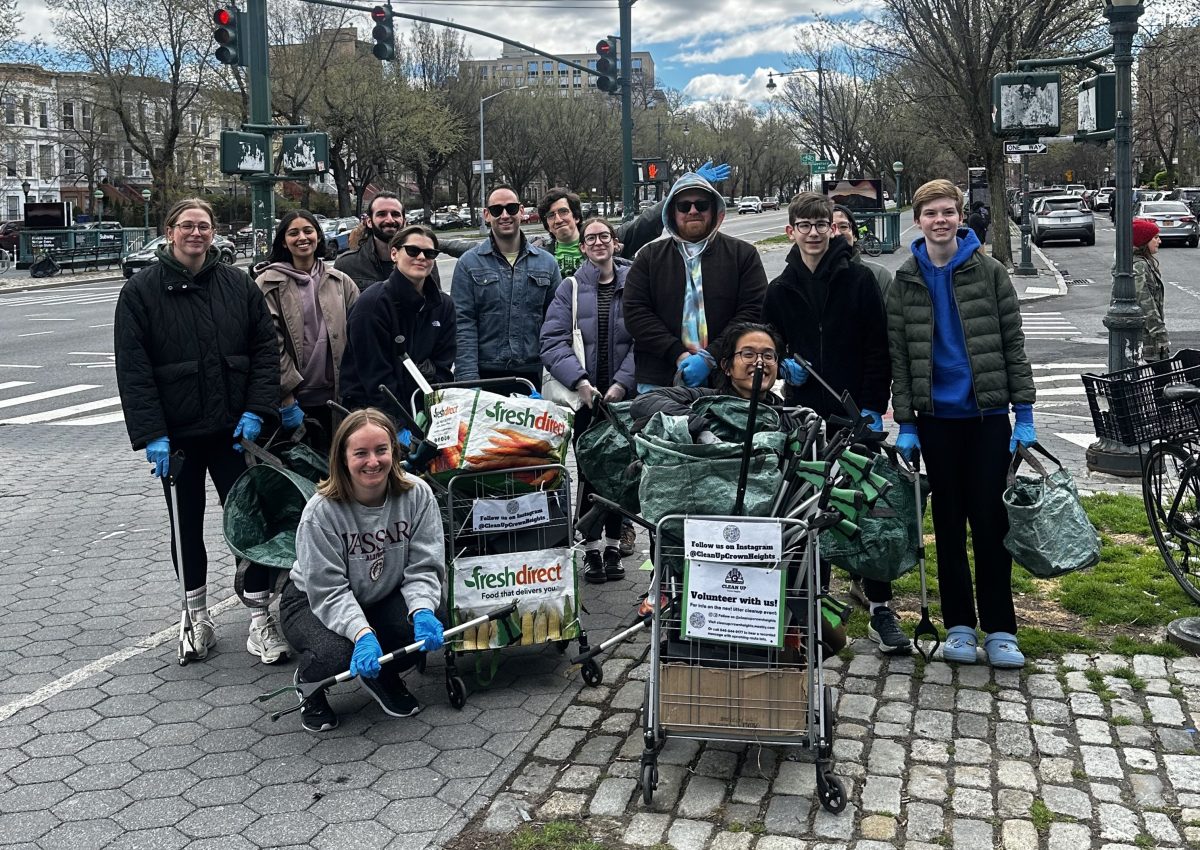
pixel 958 364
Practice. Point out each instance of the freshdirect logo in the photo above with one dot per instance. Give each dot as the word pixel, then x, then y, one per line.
pixel 544 421
pixel 525 576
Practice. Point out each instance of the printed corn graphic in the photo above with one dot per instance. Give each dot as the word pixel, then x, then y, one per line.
pixel 540 626
pixel 527 629
pixel 553 625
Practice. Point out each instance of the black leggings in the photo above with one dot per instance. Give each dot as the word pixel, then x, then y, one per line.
pixel 967 463
pixel 213 454
pixel 324 653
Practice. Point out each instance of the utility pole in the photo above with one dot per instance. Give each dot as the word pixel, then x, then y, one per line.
pixel 627 174
pixel 262 207
pixel 1025 267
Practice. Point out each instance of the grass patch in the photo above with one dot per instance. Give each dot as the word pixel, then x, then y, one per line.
pixel 556 835
pixel 1096 681
pixel 1043 643
pixel 780 239
pixel 1135 681
pixel 1121 720
pixel 1041 816
pixel 1127 646
pixel 1144 840
pixel 1129 587
pixel 1117 514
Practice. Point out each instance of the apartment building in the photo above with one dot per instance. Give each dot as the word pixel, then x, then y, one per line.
pixel 515 67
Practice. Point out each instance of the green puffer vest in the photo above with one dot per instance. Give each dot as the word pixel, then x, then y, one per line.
pixel 991 318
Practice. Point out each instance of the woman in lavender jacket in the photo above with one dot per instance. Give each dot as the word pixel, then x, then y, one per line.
pixel 608 349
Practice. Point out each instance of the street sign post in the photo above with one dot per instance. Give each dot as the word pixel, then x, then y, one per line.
pixel 820 166
pixel 243 153
pixel 1029 148
pixel 808 158
pixel 305 153
pixel 485 166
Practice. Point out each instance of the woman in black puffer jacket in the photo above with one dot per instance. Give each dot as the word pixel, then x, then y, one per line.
pixel 197 369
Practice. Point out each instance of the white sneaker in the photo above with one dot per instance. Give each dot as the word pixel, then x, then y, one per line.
pixel 204 638
pixel 266 642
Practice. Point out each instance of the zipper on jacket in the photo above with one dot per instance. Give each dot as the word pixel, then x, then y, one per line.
pixel 970 365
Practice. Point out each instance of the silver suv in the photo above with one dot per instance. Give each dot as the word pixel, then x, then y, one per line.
pixel 749 204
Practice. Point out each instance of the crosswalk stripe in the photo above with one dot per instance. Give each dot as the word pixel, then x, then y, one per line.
pixel 1081 440
pixel 1092 366
pixel 1047 379
pixel 8 385
pixel 1052 391
pixel 102 419
pixel 62 412
pixel 27 399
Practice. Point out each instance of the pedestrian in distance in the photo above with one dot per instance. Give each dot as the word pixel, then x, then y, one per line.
pixel 406 314
pixel 309 301
pixel 1148 287
pixel 978 221
pixel 831 314
pixel 958 365
pixel 502 288
pixel 685 290
pixel 597 290
pixel 198 370
pixel 370 571
pixel 846 225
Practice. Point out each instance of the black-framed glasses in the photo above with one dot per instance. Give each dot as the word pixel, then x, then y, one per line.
pixel 189 226
pixel 749 355
pixel 496 209
pixel 603 237
pixel 415 251
pixel 700 206
pixel 810 226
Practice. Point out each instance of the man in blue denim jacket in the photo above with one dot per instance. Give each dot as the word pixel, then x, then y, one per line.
pixel 501 290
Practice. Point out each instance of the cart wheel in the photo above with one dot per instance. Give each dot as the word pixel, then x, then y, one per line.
pixel 831 792
pixel 593 673
pixel 456 690
pixel 183 661
pixel 649 782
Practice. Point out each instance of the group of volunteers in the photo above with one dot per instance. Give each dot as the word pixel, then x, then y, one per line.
pixel 669 309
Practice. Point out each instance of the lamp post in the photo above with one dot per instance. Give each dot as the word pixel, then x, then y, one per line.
pixel 482 173
pixel 1124 320
pixel 898 168
pixel 146 194
pixel 98 206
pixel 25 187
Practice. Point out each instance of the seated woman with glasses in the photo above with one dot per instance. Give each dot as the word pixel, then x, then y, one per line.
pixel 407 314
pixel 597 290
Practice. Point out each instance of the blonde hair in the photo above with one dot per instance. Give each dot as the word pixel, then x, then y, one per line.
pixel 933 190
pixel 338 487
pixel 186 204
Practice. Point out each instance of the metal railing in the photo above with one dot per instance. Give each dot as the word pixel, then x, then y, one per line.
pixel 72 247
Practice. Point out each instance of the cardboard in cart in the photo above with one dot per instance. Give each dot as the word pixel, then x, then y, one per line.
pixel 733 701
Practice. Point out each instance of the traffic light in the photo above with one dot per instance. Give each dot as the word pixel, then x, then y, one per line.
pixel 384 33
pixel 606 66
pixel 228 35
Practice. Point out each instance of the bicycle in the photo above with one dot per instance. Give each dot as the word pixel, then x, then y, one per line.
pixel 1157 408
pixel 869 243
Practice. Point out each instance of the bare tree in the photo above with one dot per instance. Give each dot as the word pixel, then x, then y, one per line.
pixel 516 135
pixel 306 40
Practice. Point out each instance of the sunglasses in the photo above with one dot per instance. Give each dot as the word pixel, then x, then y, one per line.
pixel 496 209
pixel 688 206
pixel 414 252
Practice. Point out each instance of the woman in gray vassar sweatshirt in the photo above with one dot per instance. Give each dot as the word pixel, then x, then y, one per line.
pixel 370 567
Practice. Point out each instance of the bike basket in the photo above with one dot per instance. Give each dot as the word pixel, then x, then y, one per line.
pixel 1127 406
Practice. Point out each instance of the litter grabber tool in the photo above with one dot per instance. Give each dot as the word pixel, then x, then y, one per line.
pixel 925 628
pixel 643 619
pixel 305 690
pixel 187 635
pixel 411 367
pixel 425 451
pixel 739 504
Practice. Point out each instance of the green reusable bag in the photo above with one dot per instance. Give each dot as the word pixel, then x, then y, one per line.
pixel 606 458
pixel 1049 532
pixel 262 512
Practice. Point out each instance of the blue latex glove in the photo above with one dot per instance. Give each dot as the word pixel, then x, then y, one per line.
pixel 534 394
pixel 158 452
pixel 404 438
pixel 876 419
pixel 291 416
pixel 1023 431
pixel 428 628
pixel 907 443
pixel 793 373
pixel 249 426
pixel 365 660
pixel 695 369
pixel 713 173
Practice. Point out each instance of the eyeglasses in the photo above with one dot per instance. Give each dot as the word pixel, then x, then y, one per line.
pixel 496 209
pixel 189 226
pixel 749 355
pixel 414 252
pixel 559 213
pixel 603 237
pixel 809 226
pixel 700 206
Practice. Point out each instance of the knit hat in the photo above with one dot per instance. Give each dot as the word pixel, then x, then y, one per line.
pixel 1143 231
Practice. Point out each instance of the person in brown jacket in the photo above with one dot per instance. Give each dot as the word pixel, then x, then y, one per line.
pixel 309 302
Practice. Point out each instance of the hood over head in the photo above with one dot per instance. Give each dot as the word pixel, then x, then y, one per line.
pixel 691 180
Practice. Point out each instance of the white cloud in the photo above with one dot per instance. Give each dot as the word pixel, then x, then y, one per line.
pixel 777 38
pixel 739 87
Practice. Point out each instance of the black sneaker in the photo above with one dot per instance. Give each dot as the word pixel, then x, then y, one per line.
pixel 593 567
pixel 315 713
pixel 392 695
pixel 884 629
pixel 628 538
pixel 613 571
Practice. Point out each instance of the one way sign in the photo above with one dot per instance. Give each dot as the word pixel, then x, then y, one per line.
pixel 1017 148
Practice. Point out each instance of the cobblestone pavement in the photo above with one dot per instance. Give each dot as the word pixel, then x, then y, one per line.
pixel 1082 752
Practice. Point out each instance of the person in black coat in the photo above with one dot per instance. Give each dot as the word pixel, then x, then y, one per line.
pixel 198 369
pixel 407 314
pixel 829 310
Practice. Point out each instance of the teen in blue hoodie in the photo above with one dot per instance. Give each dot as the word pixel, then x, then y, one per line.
pixel 958 364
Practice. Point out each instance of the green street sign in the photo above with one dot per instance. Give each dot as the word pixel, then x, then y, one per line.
pixel 243 153
pixel 817 168
pixel 808 158
pixel 822 163
pixel 305 153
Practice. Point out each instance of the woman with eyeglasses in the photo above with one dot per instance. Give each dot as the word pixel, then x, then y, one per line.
pixel 597 287
pixel 309 302
pixel 408 314
pixel 198 370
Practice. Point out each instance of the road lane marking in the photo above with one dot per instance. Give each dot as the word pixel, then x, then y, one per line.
pixel 105 325
pixel 62 412
pixel 48 320
pixel 102 419
pixel 8 385
pixel 91 354
pixel 1051 391
pixel 1081 440
pixel 18 366
pixel 35 333
pixel 27 399
pixel 1069 366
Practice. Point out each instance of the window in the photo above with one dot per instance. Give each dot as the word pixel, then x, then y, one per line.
pixel 29 155
pixel 14 207
pixel 635 64
pixel 46 162
pixel 10 109
pixel 533 69
pixel 194 124
pixel 70 160
pixel 547 67
pixel 10 160
pixel 27 110
pixel 483 72
pixel 127 162
pixel 86 111
pixel 592 64
pixel 44 114
pixel 562 69
pixel 68 115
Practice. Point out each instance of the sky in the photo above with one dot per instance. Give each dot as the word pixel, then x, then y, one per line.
pixel 708 49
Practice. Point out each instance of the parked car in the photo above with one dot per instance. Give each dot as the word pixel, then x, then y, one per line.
pixel 1059 217
pixel 444 221
pixel 336 232
pixel 138 260
pixel 1076 189
pixel 1034 194
pixel 1174 219
pixel 10 235
pixel 529 215
pixel 770 202
pixel 415 216
pixel 750 204
pixel 1190 195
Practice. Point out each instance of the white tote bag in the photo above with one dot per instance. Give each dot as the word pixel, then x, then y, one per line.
pixel 551 388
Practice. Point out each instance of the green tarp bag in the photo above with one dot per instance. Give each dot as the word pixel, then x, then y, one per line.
pixel 888 538
pixel 606 458
pixel 262 512
pixel 1049 532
